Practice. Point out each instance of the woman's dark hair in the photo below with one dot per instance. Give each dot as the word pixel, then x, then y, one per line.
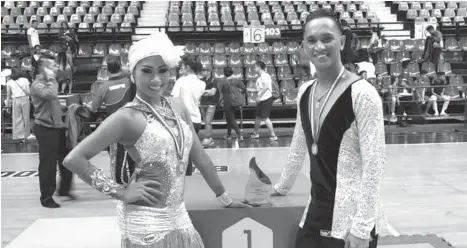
pixel 228 72
pixel 361 72
pixel 325 13
pixel 261 64
pixel 114 64
pixel 15 73
pixel 193 63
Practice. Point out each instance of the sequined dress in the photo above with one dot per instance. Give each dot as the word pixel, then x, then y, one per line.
pixel 346 173
pixel 167 225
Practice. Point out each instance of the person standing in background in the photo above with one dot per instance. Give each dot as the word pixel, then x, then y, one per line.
pixel 264 101
pixel 33 35
pixel 50 132
pixel 208 104
pixel 18 99
pixel 114 93
pixel 189 90
pixel 232 90
pixel 436 43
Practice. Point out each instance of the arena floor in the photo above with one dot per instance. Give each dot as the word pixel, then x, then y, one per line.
pixel 424 191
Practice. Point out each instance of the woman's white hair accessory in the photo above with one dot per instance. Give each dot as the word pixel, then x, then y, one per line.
pixel 155 44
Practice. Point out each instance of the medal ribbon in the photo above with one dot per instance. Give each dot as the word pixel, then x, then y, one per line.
pixel 315 126
pixel 178 147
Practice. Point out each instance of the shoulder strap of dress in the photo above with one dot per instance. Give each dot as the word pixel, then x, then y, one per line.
pixel 137 106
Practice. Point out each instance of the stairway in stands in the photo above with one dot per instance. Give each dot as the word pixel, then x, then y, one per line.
pixel 384 15
pixel 153 13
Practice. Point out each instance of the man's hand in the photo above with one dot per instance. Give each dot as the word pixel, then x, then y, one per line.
pixel 353 242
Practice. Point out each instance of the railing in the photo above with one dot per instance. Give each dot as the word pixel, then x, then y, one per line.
pixel 459 101
pixel 207 32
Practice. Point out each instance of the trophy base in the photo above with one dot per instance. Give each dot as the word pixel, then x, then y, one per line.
pixel 257 205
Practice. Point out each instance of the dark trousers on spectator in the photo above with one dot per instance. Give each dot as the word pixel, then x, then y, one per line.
pixel 231 121
pixel 405 105
pixel 52 150
pixel 189 168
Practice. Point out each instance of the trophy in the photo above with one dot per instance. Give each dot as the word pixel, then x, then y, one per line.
pixel 258 188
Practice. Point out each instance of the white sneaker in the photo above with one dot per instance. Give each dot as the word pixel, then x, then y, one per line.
pixel 31 137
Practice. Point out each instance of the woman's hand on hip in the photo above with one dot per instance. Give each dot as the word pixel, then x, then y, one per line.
pixel 146 191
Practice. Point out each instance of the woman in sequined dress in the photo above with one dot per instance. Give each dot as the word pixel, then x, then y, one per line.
pixel 340 125
pixel 158 134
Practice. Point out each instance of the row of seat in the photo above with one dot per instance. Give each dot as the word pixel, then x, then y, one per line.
pixel 424 13
pixel 74 18
pixel 72 4
pixel 68 11
pixel 234 14
pixel 350 5
pixel 124 27
pixel 446 21
pixel 429 5
pixel 450 44
pixel 413 68
pixel 263 17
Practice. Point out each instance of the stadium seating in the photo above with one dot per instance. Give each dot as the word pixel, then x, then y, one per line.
pixel 85 15
pixel 231 16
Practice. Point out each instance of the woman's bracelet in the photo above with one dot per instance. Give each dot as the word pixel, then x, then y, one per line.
pixel 225 199
pixel 103 183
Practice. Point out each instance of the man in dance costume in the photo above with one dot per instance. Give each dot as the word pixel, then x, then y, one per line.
pixel 158 134
pixel 340 124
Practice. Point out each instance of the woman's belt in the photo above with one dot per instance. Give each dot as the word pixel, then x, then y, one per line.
pixel 146 225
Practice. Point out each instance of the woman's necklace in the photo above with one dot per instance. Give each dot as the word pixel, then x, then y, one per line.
pixel 321 98
pixel 178 145
pixel 316 125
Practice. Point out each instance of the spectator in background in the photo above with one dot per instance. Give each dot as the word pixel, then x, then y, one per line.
pixel 232 90
pixel 376 46
pixel 50 132
pixel 68 38
pixel 405 97
pixel 18 99
pixel 439 92
pixel 33 35
pixel 394 99
pixel 114 93
pixel 190 89
pixel 363 74
pixel 264 101
pixel 434 45
pixel 383 93
pixel 346 53
pixel 208 104
pixel 66 69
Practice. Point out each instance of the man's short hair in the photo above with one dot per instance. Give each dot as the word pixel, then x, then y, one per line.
pixel 34 21
pixel 429 28
pixel 326 13
pixel 193 63
pixel 361 72
pixel 261 64
pixel 228 71
pixel 114 64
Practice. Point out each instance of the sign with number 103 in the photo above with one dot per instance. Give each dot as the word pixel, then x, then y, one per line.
pixel 247 233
